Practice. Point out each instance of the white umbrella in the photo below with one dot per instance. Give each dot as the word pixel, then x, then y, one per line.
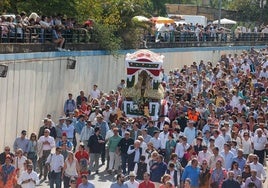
pixel 225 21
pixel 141 18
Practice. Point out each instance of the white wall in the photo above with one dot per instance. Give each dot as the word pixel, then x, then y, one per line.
pixel 38 83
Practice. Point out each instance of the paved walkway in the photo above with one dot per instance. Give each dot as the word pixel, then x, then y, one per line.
pixel 104 180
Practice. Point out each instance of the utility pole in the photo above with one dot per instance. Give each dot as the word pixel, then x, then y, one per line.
pixel 219 19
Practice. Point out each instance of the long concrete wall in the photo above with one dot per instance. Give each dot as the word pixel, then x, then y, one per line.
pixel 38 83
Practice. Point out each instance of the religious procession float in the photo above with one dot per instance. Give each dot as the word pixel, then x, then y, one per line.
pixel 143 93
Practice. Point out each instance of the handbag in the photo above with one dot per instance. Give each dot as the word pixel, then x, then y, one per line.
pixel 32 155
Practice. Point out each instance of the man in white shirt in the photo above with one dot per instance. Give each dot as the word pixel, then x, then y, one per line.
pixel 203 155
pixel 86 132
pixel 28 178
pixel 259 143
pixel 163 136
pixel 45 144
pixel 132 183
pixel 261 173
pixel 219 140
pixel 181 147
pixel 95 93
pixel 55 162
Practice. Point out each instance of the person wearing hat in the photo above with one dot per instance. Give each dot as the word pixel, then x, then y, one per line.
pixel 68 128
pixel 47 124
pixel 64 140
pixel 86 132
pixel 123 145
pixel 28 178
pixel 21 142
pixel 190 132
pixel 95 144
pixel 132 183
pixel 59 127
pixel 104 128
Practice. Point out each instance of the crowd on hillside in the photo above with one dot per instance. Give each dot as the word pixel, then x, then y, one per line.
pixel 213 134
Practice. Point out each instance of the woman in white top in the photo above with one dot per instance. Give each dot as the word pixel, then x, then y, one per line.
pixel 19 160
pixel 70 169
pixel 246 144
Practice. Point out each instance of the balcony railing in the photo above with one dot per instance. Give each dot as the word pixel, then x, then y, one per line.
pixel 158 40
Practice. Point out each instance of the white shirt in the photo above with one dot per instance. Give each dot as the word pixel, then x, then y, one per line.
pixel 19 163
pixel 260 170
pixel 106 115
pixel 203 156
pixel 259 142
pixel 109 134
pixel 56 162
pixel 51 141
pixel 26 176
pixel 133 184
pixel 246 145
pixel 163 139
pixel 180 149
pixel 219 142
pixel 156 142
pixel 86 133
pixel 95 94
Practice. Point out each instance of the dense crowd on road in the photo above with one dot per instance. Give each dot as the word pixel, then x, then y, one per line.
pixel 213 133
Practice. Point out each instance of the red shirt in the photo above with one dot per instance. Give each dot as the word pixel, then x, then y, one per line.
pixel 148 184
pixel 81 155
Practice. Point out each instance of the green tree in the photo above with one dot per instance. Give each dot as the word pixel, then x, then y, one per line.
pixel 114 26
pixel 250 10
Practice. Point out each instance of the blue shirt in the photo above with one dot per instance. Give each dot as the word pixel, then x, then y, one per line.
pixel 228 159
pixel 88 185
pixel 193 174
pixel 241 162
pixel 116 185
pixel 79 126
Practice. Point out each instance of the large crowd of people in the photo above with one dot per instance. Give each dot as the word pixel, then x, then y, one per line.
pixel 212 135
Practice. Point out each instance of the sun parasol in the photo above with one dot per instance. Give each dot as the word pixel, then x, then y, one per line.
pixel 162 20
pixel 141 18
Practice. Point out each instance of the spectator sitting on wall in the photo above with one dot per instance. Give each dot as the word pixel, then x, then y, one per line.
pixel 58 39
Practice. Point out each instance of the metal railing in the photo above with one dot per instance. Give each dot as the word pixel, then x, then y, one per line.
pixel 159 39
pixel 41 35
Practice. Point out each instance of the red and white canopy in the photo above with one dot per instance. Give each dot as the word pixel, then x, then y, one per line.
pixel 144 60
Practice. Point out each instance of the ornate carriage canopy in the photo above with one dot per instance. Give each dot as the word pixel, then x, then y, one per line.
pixel 144 60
